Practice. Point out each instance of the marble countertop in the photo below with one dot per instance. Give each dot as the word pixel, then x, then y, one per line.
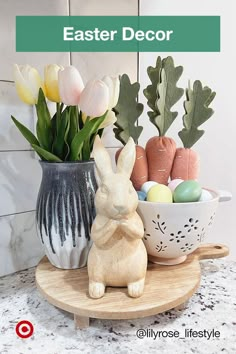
pixel 213 307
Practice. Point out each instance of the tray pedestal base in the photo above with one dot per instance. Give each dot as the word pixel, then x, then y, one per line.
pixel 81 322
pixel 68 289
pixel 167 261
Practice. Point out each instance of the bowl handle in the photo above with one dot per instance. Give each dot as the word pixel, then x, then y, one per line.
pixel 211 251
pixel 224 196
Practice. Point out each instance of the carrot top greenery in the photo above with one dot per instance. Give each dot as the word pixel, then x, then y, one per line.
pixel 161 157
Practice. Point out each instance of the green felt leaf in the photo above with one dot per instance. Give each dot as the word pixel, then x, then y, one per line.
pixel 28 135
pixel 150 92
pixel 168 95
pixel 83 136
pixel 48 156
pixel 44 126
pixel 128 111
pixel 197 112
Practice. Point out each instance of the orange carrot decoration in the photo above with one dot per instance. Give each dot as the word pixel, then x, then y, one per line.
pixel 197 111
pixel 162 94
pixel 140 170
pixel 127 111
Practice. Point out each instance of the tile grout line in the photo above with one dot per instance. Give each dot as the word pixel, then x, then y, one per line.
pixel 18 213
pixel 10 81
pixel 69 11
pixel 138 63
pixel 26 150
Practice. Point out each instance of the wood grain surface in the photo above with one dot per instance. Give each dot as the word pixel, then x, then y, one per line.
pixel 165 287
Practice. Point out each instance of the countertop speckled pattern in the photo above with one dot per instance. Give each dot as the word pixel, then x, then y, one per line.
pixel 212 307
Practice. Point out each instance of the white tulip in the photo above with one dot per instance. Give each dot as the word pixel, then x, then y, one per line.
pixel 109 120
pixel 113 83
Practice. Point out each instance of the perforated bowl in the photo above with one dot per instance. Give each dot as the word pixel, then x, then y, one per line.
pixel 174 230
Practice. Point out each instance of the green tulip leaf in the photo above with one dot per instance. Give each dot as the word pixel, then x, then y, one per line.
pixel 48 156
pixel 83 136
pixel 44 126
pixel 74 123
pixel 28 135
pixel 197 112
pixel 168 95
pixel 62 132
pixel 55 119
pixel 127 111
pixel 67 146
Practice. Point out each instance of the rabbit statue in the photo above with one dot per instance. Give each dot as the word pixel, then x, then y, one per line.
pixel 118 257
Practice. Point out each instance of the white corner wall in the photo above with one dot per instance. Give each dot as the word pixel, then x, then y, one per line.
pixel 217 148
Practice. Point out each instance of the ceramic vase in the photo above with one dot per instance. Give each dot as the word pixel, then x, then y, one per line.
pixel 65 211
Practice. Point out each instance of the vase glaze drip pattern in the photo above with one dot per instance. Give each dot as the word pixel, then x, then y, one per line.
pixel 65 212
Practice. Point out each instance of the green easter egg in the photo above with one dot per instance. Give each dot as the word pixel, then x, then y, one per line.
pixel 187 191
pixel 159 193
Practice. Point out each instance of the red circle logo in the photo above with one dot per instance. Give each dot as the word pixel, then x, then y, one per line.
pixel 24 329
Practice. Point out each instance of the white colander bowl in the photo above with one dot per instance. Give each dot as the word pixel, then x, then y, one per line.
pixel 174 230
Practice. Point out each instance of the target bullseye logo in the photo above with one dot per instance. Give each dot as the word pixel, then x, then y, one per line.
pixel 24 329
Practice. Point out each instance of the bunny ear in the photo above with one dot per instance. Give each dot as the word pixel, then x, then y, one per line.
pixel 102 158
pixel 126 158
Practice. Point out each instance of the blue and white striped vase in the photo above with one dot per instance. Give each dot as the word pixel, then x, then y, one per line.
pixel 65 211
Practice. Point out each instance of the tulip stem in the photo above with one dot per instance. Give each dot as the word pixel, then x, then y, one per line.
pixel 77 117
pixel 58 115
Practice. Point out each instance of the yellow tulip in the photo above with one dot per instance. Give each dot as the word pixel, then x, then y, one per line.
pixel 51 82
pixel 28 83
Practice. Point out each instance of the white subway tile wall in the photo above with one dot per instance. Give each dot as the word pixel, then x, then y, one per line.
pixel 96 65
pixel 10 138
pixel 8 12
pixel 20 173
pixel 19 245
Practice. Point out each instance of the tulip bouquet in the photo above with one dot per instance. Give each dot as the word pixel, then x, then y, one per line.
pixel 82 112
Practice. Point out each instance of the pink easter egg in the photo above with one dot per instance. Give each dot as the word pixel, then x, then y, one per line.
pixel 174 183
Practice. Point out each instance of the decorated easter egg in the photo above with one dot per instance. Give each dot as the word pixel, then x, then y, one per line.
pixel 174 183
pixel 187 191
pixel 141 195
pixel 147 185
pixel 205 196
pixel 159 193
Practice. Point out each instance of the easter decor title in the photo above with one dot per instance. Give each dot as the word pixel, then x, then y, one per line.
pixel 128 34
pixel 118 33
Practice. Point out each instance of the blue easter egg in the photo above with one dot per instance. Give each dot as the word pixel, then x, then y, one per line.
pixel 141 195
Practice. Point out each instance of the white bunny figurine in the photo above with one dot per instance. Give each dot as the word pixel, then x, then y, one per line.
pixel 118 256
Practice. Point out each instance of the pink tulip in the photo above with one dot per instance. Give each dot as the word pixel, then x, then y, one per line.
pixel 70 85
pixel 94 99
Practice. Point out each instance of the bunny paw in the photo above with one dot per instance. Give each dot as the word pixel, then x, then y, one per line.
pixel 136 289
pixel 96 290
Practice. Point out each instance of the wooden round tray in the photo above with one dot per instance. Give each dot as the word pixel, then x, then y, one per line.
pixel 165 288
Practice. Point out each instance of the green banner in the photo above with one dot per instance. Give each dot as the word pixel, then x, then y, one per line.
pixel 117 33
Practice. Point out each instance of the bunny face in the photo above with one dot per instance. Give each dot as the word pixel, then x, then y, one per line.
pixel 116 196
